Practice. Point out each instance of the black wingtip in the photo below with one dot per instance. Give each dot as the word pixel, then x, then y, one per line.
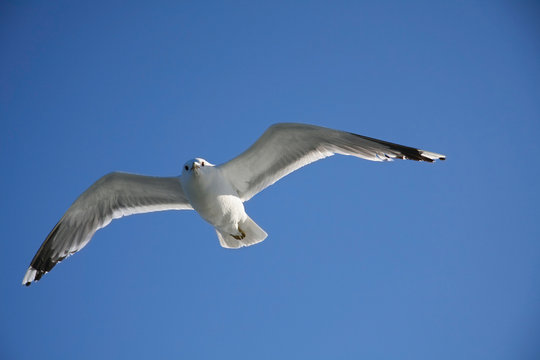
pixel 407 152
pixel 39 274
pixel 45 259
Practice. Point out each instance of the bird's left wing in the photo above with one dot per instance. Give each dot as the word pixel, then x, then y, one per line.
pixel 284 148
pixel 113 196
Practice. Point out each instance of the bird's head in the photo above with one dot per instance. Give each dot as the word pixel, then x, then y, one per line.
pixel 194 166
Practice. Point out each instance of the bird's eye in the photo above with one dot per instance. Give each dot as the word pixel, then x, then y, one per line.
pixel 186 167
pixel 202 164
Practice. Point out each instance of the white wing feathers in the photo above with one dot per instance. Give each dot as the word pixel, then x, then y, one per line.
pixel 111 197
pixel 284 148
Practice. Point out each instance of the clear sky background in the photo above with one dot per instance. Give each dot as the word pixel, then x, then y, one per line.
pixel 364 260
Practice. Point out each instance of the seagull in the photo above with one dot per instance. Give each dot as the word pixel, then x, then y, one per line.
pixel 217 193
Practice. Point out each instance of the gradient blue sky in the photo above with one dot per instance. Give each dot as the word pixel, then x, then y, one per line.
pixel 364 260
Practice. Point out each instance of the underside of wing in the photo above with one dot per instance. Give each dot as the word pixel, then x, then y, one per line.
pixel 111 197
pixel 286 147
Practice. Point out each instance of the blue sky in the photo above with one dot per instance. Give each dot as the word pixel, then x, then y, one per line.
pixel 399 260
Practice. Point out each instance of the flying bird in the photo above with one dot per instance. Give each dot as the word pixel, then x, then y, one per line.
pixel 217 193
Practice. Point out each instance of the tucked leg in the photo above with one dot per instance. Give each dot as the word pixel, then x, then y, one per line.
pixel 240 236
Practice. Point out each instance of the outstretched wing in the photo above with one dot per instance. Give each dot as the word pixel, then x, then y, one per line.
pixel 111 197
pixel 284 148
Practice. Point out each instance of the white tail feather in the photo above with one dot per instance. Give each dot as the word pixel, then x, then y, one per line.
pixel 254 235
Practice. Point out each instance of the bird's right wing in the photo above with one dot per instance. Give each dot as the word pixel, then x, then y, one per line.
pixel 284 148
pixel 111 197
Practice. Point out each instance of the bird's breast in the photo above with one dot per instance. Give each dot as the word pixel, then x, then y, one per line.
pixel 213 197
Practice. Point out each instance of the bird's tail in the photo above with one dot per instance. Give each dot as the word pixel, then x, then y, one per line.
pixel 253 235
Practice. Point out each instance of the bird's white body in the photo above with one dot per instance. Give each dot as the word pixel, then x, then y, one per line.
pixel 213 196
